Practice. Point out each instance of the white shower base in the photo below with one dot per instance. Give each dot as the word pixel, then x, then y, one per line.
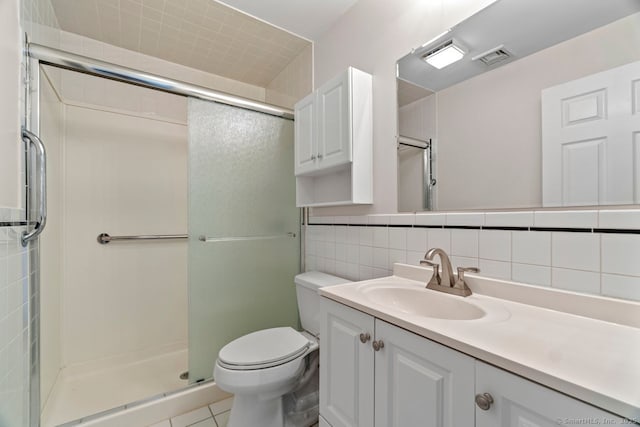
pixel 98 386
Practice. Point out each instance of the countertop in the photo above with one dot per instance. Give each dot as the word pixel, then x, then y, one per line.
pixel 584 346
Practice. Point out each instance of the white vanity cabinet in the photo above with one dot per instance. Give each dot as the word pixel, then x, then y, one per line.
pixel 346 365
pixel 411 381
pixel 333 142
pixel 520 402
pixel 416 381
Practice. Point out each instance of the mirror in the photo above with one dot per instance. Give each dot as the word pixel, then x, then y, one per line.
pixel 541 110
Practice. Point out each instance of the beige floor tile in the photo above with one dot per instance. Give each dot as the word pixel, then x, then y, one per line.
pixel 222 406
pixel 209 422
pixel 222 419
pixel 190 418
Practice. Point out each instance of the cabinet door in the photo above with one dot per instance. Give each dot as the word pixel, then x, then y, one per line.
pixel 521 403
pixel 420 383
pixel 346 366
pixel 305 143
pixel 334 121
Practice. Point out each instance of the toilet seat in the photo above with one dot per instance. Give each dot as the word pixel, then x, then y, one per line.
pixel 264 349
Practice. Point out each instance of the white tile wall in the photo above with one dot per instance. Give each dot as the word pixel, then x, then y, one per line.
pixel 14 336
pixel 587 261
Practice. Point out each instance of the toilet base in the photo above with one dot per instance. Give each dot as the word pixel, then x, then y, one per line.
pixel 250 411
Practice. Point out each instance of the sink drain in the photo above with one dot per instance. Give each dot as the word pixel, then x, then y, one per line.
pixel 184 375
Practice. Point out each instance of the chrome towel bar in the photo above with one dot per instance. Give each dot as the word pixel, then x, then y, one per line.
pixel 244 238
pixel 104 238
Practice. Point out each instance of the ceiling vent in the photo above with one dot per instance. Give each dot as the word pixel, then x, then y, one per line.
pixel 493 56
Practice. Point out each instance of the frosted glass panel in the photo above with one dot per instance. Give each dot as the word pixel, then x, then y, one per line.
pixel 241 184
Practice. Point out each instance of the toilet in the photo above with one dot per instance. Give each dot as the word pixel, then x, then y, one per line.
pixel 262 367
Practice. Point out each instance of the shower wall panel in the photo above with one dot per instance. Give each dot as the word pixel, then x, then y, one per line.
pixel 51 132
pixel 124 175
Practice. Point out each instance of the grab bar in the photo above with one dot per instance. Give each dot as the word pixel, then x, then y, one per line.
pixel 104 238
pixel 414 142
pixel 32 139
pixel 206 239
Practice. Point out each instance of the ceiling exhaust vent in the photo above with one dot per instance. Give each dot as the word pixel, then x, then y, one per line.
pixel 493 56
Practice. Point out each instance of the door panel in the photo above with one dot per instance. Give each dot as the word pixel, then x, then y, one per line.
pixel 521 403
pixel 420 383
pixel 346 374
pixel 590 130
pixel 334 124
pixel 240 185
pixel 306 150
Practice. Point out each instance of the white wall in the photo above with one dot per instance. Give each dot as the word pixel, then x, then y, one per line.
pixel 371 36
pixel 491 124
pixel 10 142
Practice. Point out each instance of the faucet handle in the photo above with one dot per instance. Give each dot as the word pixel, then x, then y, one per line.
pixel 435 279
pixel 462 270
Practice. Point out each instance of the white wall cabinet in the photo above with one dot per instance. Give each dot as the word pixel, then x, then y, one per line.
pixel 333 142
pixel 411 381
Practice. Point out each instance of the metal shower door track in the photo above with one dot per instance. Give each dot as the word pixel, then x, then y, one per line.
pixel 61 59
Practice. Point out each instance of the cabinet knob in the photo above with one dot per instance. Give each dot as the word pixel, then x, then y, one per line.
pixel 313 157
pixel 484 401
pixel 377 345
pixel 319 156
pixel 364 337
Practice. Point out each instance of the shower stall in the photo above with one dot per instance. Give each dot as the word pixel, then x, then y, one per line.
pixel 171 229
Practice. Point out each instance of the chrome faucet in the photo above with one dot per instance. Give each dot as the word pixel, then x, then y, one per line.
pixel 447 283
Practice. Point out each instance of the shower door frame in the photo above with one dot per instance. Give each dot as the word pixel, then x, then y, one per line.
pixel 36 55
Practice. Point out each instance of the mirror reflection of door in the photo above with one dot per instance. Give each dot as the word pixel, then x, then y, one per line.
pixel 591 139
pixel 490 151
pixel 416 130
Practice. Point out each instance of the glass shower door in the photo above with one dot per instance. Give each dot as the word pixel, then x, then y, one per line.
pixel 244 228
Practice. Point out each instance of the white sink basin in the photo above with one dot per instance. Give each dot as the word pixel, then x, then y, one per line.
pixel 421 301
pixel 424 302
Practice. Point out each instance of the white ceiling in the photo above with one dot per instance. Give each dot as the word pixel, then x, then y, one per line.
pixel 202 34
pixel 307 18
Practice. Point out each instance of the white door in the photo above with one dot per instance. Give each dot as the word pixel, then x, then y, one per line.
pixel 305 143
pixel 521 403
pixel 346 366
pixel 334 121
pixel 591 139
pixel 420 383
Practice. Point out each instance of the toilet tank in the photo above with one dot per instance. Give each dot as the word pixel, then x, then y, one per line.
pixel 307 285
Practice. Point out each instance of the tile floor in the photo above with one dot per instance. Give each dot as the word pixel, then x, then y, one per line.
pixel 214 415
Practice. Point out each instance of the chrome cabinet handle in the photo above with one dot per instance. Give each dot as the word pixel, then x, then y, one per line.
pixel 378 345
pixel 32 139
pixel 364 337
pixel 484 401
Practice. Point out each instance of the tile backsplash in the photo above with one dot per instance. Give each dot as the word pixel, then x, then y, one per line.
pixel 14 319
pixel 594 252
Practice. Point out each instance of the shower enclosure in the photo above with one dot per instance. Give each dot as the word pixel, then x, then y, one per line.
pixel 158 224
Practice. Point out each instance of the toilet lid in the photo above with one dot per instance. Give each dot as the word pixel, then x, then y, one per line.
pixel 265 347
